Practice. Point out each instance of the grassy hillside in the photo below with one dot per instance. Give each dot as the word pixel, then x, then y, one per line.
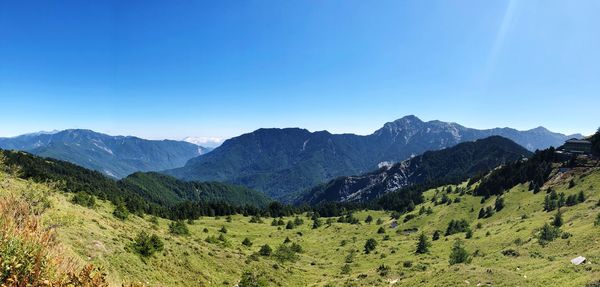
pixel 149 193
pixel 94 235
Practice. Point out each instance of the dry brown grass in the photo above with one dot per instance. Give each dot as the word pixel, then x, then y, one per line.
pixel 29 253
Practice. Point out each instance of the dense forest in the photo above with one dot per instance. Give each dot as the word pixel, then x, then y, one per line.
pixel 135 196
pixel 167 190
pixel 535 170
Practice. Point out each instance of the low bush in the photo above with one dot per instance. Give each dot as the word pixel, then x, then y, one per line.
pixel 84 199
pixel 178 228
pixel 146 245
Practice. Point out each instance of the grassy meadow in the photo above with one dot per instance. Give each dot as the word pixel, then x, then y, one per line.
pixel 333 254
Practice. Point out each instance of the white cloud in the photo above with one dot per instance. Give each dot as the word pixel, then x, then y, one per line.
pixel 205 141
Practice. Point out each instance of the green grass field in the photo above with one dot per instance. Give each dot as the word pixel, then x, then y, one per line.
pixel 96 236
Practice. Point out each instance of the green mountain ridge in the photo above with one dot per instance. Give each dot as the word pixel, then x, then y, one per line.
pixel 454 164
pixel 283 162
pixel 141 192
pixel 164 189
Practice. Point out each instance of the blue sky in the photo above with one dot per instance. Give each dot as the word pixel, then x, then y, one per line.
pixel 170 69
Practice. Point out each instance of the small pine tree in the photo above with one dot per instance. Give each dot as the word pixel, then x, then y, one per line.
pixel 147 245
pixel 489 211
pixel 290 225
pixel 178 228
pixel 445 198
pixel 223 229
pixel 346 269
pixel 383 270
pixel 547 206
pixel 381 230
pixel 548 233
pixel 499 204
pixel 84 199
pixel 536 189
pixel 581 197
pixel 370 245
pixel 558 220
pixel 249 279
pixel 317 223
pixel 561 200
pixel 481 213
pixel 298 221
pixel 571 200
pixel 459 254
pixel 247 242
pixel 436 235
pixel 350 257
pixel 315 215
pixel 256 219
pixel 469 234
pixel 265 250
pixel 422 244
pixel 411 206
pixel 296 248
pixel 121 211
pixel 369 219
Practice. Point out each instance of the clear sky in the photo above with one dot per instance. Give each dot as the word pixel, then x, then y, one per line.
pixel 171 69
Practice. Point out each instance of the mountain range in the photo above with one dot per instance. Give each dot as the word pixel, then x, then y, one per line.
pixel 115 156
pixel 283 162
pixel 441 167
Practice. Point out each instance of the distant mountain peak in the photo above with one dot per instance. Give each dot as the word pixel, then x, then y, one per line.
pixel 116 156
pixel 406 120
pixel 540 129
pixel 40 133
pixel 283 161
pixel 401 125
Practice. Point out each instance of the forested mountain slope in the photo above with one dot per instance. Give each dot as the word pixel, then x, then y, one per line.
pixel 281 162
pixel 453 164
pixel 141 193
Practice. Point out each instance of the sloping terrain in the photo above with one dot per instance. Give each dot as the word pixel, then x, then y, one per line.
pixel 140 193
pixel 456 163
pixel 164 189
pixel 281 162
pixel 504 248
